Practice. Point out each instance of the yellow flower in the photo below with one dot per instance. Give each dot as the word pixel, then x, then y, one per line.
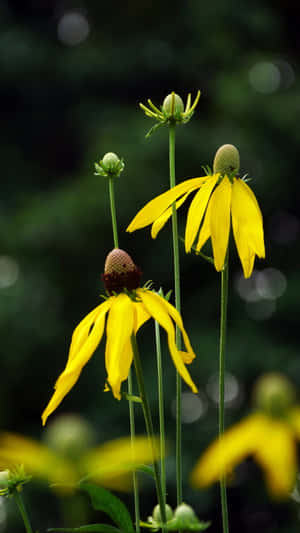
pixel 269 437
pixel 108 464
pixel 221 199
pixel 126 312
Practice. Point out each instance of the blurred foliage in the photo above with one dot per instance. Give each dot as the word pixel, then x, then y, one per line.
pixel 63 106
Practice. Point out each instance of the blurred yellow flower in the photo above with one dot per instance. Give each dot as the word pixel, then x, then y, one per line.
pixel 219 200
pixel 108 464
pixel 270 440
pixel 126 312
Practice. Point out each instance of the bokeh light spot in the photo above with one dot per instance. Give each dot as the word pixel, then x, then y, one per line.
pixel 261 310
pixel 270 283
pixel 9 271
pixel 73 28
pixel 232 390
pixel 264 77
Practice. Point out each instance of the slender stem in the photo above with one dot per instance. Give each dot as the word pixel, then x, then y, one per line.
pixel 178 307
pixel 130 391
pixel 21 506
pixel 149 424
pixel 134 474
pixel 161 411
pixel 113 211
pixel 222 346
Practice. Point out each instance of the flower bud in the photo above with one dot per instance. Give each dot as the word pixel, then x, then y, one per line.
pixel 4 479
pixel 69 435
pixel 227 160
pixel 120 272
pixel 110 166
pixel 173 105
pixel 156 513
pixel 274 394
pixel 185 513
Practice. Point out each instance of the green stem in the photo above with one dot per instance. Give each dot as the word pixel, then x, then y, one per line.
pixel 130 391
pixel 113 211
pixel 161 411
pixel 21 506
pixel 134 474
pixel 149 424
pixel 222 346
pixel 178 307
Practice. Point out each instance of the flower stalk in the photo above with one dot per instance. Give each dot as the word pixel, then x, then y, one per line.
pixel 149 425
pixel 222 348
pixel 161 411
pixel 20 503
pixel 176 263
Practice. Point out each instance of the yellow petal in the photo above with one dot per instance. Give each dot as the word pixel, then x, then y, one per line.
pixel 37 459
pixel 120 324
pixel 110 463
pixel 81 333
pixel 225 453
pixel 277 456
pixel 159 223
pixel 74 366
pixel 205 232
pixel 220 221
pixel 196 211
pixel 155 305
pixel 247 225
pixel 294 419
pixel 153 209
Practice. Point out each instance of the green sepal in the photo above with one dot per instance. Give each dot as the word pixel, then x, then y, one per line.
pixel 90 528
pixel 177 524
pixel 146 469
pixel 153 129
pixel 103 500
pixel 131 397
pixel 204 256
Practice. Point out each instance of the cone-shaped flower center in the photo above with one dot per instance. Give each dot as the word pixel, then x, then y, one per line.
pixel 227 159
pixel 120 272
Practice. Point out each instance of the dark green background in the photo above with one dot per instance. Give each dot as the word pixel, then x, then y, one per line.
pixel 62 108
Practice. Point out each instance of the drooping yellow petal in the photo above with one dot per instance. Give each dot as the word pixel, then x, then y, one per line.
pixel 155 305
pixel 81 332
pixel 120 324
pixel 247 225
pixel 153 209
pixel 37 459
pixel 110 463
pixel 175 315
pixel 205 231
pixel 74 366
pixel 225 453
pixel 159 223
pixel 276 454
pixel 197 209
pixel 220 202
pixel 294 419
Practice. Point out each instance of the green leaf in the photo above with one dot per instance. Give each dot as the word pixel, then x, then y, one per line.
pixel 103 500
pixel 91 528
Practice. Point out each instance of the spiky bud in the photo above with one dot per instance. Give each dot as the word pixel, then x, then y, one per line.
pixel 120 272
pixel 227 160
pixel 274 394
pixel 110 166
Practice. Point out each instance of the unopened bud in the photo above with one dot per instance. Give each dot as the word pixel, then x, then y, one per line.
pixel 69 435
pixel 274 394
pixel 227 160
pixel 185 513
pixel 173 105
pixel 110 166
pixel 156 513
pixel 120 272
